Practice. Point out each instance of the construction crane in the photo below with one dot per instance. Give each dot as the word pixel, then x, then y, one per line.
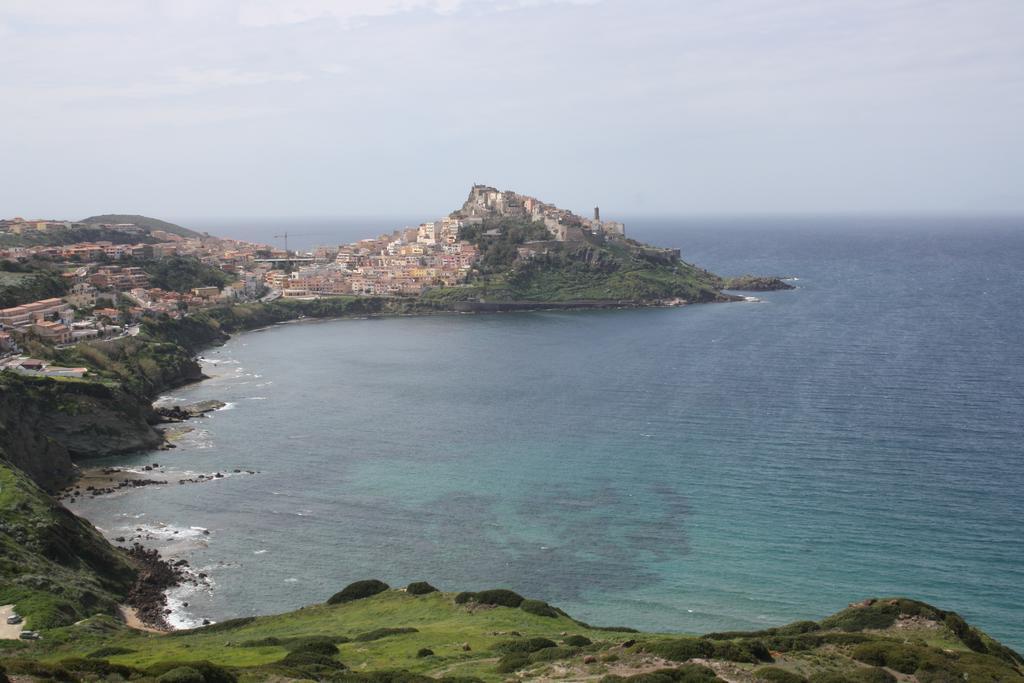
pixel 285 236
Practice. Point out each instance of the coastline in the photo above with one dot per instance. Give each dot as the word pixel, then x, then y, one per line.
pixel 101 481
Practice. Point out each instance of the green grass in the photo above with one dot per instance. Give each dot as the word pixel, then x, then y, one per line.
pixel 54 567
pixel 492 642
pixel 441 626
pixel 592 270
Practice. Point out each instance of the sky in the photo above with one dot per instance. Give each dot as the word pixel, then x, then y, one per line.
pixel 228 108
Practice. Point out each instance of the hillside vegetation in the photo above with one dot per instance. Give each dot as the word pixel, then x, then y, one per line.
pixel 22 283
pixel 181 273
pixel 594 269
pixel 143 222
pixel 54 566
pixel 63 236
pixel 494 635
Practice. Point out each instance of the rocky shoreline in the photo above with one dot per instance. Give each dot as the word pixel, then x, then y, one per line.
pixel 148 596
pixel 187 412
pixel 756 283
pixel 103 481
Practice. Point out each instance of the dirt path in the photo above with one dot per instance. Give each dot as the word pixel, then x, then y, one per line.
pixel 8 631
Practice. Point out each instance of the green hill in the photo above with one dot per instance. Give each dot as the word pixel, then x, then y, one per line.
pixel 520 262
pixel 54 566
pixel 496 635
pixel 143 222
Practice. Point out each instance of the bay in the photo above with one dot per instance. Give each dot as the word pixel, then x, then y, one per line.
pixel 704 468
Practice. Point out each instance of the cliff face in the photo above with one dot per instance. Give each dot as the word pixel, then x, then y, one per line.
pixel 45 423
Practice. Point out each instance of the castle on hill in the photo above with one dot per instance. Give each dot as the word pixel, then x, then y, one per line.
pixel 489 202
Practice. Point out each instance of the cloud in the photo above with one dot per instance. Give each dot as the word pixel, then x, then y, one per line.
pixel 774 104
pixel 276 12
pixel 199 78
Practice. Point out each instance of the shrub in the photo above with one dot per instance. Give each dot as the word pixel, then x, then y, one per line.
pixel 526 645
pixel 965 666
pixel 98 667
pixel 425 652
pixel 759 649
pixel 357 591
pixel 499 596
pixel 25 667
pixel 864 675
pixel 874 675
pixel 420 588
pixel 211 673
pixel 681 649
pixel 797 627
pixel 313 660
pixel 749 651
pixel 110 651
pixel 319 647
pixel 902 658
pixel 183 674
pixel 551 654
pixel 292 643
pixel 269 641
pixel 464 597
pixel 771 674
pixel 3 675
pixel 538 607
pixel 810 641
pixel 379 633
pixel 512 661
pixel 964 632
pixel 876 616
pixel 326 645
pixel 577 641
pixel 688 673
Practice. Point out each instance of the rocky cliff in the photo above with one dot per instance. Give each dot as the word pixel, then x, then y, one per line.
pixel 47 423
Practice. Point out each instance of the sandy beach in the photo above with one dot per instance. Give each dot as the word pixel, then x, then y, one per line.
pixel 130 616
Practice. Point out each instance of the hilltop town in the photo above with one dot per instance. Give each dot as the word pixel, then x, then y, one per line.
pixel 63 282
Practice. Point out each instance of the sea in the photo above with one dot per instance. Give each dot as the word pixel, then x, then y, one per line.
pixel 693 469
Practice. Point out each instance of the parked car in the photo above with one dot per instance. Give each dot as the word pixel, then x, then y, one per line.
pixel 29 635
pixel 14 619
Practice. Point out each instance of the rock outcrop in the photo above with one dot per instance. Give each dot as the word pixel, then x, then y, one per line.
pixel 755 283
pixel 45 424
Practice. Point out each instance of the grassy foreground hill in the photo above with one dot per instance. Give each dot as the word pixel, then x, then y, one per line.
pixel 411 635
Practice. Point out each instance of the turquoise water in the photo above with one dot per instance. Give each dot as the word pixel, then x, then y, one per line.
pixel 704 468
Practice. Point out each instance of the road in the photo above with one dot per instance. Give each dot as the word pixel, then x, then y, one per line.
pixel 8 631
